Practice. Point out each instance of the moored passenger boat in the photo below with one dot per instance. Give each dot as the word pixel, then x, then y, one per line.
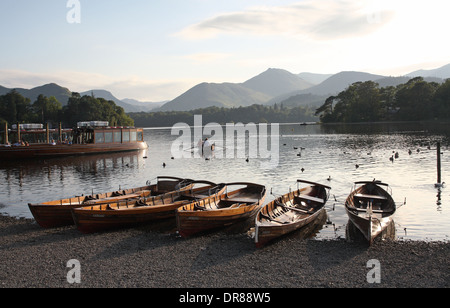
pixel 28 141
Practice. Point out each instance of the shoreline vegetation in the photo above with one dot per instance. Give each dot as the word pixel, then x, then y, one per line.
pixel 361 102
pixel 146 257
pixel 416 100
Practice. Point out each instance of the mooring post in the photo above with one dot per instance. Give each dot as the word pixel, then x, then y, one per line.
pixel 439 182
pixel 6 141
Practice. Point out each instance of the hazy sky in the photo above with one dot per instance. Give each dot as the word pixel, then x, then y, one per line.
pixel 156 49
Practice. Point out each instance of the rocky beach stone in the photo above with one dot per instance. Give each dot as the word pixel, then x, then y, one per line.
pixel 145 257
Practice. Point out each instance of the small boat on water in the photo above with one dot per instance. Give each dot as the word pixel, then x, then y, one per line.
pixel 58 213
pixel 221 210
pixel 370 208
pixel 290 212
pixel 122 214
pixel 32 141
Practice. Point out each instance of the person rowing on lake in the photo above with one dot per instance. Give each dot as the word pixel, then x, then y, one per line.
pixel 206 148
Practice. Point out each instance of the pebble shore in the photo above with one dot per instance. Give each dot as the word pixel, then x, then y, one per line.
pixel 144 257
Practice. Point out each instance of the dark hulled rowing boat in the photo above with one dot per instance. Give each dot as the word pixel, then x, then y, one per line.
pixel 290 212
pixel 370 207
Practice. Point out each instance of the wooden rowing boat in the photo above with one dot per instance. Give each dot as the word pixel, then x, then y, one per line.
pixel 370 207
pixel 122 214
pixel 221 210
pixel 290 212
pixel 58 213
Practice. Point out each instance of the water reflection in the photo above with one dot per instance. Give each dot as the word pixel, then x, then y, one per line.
pixel 44 180
pixel 82 167
pixel 311 230
pixel 353 234
pixel 329 155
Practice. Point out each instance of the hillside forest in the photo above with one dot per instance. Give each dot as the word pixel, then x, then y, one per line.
pixel 415 100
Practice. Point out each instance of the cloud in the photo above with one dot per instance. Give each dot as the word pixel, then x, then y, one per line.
pixel 314 19
pixel 207 57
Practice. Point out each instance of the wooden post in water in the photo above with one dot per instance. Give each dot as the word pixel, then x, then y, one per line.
pixel 47 132
pixel 6 141
pixel 60 133
pixel 18 133
pixel 439 182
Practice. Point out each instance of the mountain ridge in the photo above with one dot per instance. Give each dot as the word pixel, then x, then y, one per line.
pixel 214 95
pixel 442 72
pixel 270 87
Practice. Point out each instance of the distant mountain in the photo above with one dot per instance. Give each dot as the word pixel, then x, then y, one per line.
pixel 314 79
pixel 4 90
pixel 52 89
pixel 145 106
pixel 331 86
pixel 257 90
pixel 441 72
pixel 63 94
pixel 270 87
pixel 213 94
pixel 339 82
pixel 110 97
pixel 274 82
pixel 303 100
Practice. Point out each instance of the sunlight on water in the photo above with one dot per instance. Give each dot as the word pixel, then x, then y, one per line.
pixel 333 155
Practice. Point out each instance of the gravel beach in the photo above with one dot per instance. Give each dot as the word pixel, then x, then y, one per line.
pixel 146 257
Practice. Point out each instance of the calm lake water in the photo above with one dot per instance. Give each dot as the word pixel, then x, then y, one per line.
pixel 329 154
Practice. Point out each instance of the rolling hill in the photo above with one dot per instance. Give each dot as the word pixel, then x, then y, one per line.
pixel 270 87
pixel 212 94
pixel 340 82
pixel 441 72
pixel 257 90
pixel 52 89
pixel 274 82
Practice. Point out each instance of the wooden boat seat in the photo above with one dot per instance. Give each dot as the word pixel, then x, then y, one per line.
pixel 310 198
pixel 195 196
pixel 244 200
pixel 364 197
pixel 373 211
pixel 294 209
pixel 118 198
pixel 288 206
pixel 237 205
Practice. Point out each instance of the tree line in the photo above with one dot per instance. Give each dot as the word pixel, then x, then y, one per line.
pixel 15 108
pixel 221 115
pixel 415 100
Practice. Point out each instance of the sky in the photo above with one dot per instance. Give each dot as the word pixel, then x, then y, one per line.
pixel 155 50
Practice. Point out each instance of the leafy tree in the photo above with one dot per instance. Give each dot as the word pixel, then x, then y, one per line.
pixel 359 103
pixel 367 102
pixel 89 108
pixel 14 108
pixel 47 109
pixel 442 101
pixel 415 99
